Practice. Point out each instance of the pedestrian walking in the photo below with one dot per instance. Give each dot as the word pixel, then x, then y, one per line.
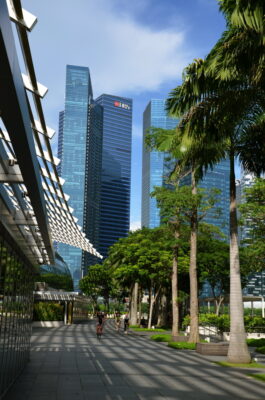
pixel 117 321
pixel 126 324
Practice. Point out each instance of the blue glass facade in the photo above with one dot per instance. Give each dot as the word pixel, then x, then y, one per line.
pixel 217 178
pixel 75 147
pixel 59 267
pixel 154 164
pixel 116 170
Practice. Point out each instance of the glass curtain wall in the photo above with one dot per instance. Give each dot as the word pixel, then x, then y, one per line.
pixel 16 305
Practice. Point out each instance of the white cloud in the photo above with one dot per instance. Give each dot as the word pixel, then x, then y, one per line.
pixel 123 55
pixel 135 225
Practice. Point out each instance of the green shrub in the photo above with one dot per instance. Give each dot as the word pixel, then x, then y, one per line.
pixel 261 350
pixel 222 322
pixel 182 345
pixel 252 322
pixel 136 329
pixel 48 312
pixel 161 338
pixel 256 342
pixel 55 281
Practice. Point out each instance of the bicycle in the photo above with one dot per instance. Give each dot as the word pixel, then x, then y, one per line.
pixel 99 331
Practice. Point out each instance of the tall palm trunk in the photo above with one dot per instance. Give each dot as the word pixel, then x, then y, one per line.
pixel 194 309
pixel 174 283
pixel 238 350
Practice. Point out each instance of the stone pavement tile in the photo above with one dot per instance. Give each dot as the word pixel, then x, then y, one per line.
pixel 40 396
pixel 121 390
pixel 113 380
pixel 71 396
pixel 143 381
pixel 101 396
pixel 151 396
pixel 14 394
pixel 124 397
pixel 91 379
pixel 95 393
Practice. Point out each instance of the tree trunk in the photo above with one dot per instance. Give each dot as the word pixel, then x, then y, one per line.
pixel 134 302
pixel 162 311
pixel 194 309
pixel 140 295
pixel 218 303
pixel 174 286
pixel 238 350
pixel 151 304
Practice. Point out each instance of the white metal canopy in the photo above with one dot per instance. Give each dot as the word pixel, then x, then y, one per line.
pixel 33 206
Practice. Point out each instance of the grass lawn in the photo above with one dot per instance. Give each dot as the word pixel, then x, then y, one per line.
pixel 136 329
pixel 161 338
pixel 260 377
pixel 250 365
pixel 182 345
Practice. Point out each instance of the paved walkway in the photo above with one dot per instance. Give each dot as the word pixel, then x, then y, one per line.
pixel 69 363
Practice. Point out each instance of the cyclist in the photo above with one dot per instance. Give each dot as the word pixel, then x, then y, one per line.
pixel 99 326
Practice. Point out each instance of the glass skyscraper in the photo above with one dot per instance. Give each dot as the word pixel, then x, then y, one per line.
pixel 217 178
pixel 116 170
pixel 155 166
pixel 155 170
pixel 79 148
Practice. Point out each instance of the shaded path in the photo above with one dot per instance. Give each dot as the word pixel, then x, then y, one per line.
pixel 69 363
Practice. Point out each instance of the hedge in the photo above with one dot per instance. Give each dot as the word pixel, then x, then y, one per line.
pixel 222 322
pixel 48 312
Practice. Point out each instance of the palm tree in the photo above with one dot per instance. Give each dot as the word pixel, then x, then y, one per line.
pixel 189 155
pixel 221 114
pixel 240 52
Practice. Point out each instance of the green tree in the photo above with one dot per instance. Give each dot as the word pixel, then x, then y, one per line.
pixel 97 283
pixel 220 114
pixel 181 209
pixel 56 281
pixel 213 264
pixel 189 155
pixel 240 52
pixel 253 215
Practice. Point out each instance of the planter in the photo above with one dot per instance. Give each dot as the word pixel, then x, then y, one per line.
pixel 212 349
pixel 47 324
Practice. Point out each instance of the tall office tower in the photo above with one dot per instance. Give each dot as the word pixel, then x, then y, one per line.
pixel 79 148
pixel 116 170
pixel 155 168
pixel 256 280
pixel 219 178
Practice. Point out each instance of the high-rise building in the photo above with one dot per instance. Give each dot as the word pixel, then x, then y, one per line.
pixel 80 151
pixel 155 165
pixel 218 178
pixel 116 170
pixel 256 281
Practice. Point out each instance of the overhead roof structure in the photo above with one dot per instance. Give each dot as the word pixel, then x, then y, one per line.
pixel 33 206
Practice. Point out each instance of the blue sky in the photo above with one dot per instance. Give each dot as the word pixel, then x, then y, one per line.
pixel 136 49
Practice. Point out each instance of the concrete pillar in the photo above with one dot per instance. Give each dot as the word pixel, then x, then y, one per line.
pixel 65 312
